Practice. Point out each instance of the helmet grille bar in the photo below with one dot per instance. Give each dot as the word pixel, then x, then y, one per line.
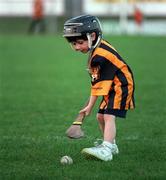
pixel 73 24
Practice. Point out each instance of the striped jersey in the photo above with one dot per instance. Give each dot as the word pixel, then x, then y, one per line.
pixel 111 78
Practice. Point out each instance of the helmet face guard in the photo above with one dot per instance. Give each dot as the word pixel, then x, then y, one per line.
pixel 72 29
pixel 82 26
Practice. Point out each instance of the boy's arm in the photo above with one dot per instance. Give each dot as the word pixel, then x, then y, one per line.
pixel 80 116
pixel 75 131
pixel 87 110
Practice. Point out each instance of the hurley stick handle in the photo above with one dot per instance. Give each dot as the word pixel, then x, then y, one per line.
pixel 80 117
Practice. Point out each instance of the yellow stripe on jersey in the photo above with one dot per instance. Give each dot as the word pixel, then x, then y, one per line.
pixel 101 88
pixel 111 57
pixel 104 102
pixel 118 95
pixel 109 45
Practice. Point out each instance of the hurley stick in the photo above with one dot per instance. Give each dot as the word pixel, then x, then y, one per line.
pixel 75 131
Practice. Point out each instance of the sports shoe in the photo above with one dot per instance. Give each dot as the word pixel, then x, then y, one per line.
pixel 102 152
pixel 114 147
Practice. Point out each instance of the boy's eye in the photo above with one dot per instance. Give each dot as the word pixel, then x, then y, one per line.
pixel 80 42
pixel 77 42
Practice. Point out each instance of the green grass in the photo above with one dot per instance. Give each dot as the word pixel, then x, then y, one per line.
pixel 42 87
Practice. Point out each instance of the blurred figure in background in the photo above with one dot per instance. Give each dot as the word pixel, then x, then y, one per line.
pixel 138 18
pixel 37 24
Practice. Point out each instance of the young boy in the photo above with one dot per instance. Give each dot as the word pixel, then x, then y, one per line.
pixel 111 78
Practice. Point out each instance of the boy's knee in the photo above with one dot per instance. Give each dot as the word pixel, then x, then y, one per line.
pixel 100 117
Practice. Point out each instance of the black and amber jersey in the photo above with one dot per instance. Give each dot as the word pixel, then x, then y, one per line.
pixel 111 78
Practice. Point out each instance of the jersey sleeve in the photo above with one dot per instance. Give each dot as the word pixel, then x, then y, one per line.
pixel 102 74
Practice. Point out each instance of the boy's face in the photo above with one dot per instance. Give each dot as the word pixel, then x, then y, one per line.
pixel 80 45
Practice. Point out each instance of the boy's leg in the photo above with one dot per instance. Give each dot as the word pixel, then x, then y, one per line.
pixel 100 118
pixel 107 148
pixel 110 132
pixel 110 128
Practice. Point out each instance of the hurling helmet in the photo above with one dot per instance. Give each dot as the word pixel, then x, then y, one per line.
pixel 83 26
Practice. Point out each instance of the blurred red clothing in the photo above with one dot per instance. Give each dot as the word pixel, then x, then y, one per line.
pixel 38 9
pixel 138 16
pixel 37 24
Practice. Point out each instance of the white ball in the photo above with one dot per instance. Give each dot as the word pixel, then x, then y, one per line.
pixel 66 160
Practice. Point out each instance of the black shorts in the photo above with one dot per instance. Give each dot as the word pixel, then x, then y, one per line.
pixel 115 112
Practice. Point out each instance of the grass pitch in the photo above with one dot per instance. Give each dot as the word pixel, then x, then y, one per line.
pixel 43 84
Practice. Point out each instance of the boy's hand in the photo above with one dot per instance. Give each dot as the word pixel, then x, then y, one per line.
pixel 86 110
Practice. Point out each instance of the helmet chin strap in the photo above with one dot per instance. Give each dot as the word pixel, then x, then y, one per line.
pixel 89 37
